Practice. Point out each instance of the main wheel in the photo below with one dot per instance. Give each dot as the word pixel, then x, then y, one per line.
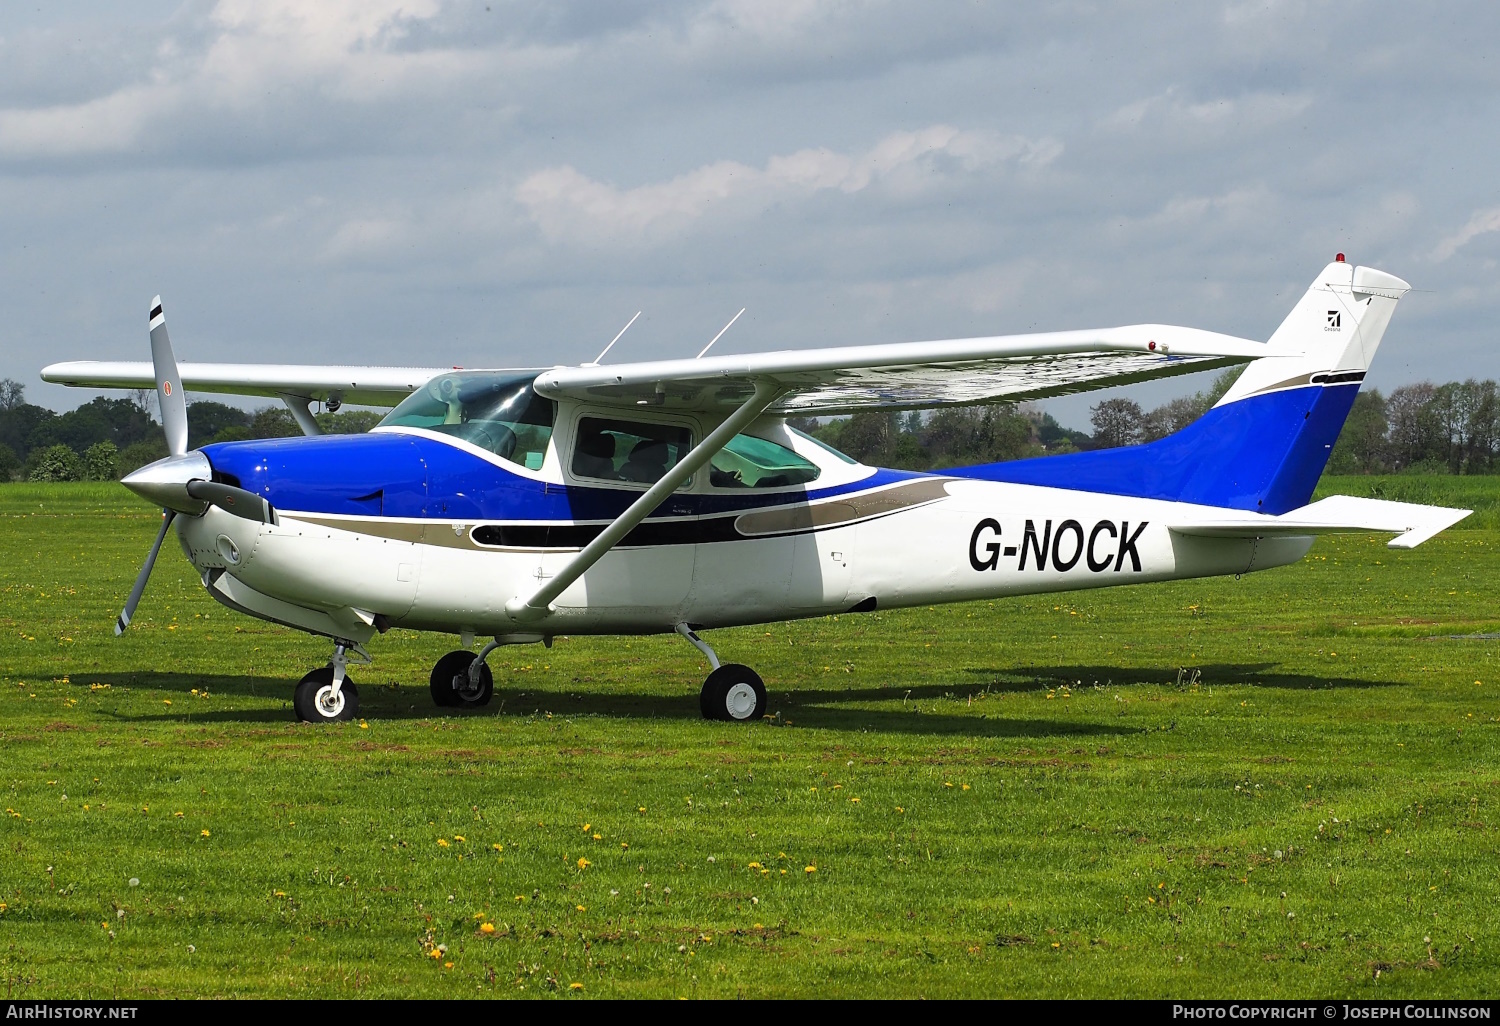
pixel 733 692
pixel 450 681
pixel 315 701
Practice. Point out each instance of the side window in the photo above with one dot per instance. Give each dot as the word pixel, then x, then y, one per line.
pixel 621 450
pixel 750 462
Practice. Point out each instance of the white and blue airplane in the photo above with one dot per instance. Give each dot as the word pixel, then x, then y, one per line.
pixel 672 495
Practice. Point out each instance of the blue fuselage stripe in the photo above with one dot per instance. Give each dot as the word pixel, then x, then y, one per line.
pixel 1262 453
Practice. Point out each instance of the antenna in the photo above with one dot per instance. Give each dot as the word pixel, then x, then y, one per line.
pixel 616 339
pixel 720 334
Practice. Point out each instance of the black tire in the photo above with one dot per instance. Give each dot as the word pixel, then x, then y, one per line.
pixel 450 682
pixel 305 698
pixel 725 695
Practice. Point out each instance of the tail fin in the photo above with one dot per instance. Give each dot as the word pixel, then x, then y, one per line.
pixel 1264 445
pixel 1331 335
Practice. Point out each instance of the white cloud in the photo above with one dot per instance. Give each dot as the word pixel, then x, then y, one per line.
pixel 568 205
pixel 346 50
pixel 1171 110
pixel 1482 223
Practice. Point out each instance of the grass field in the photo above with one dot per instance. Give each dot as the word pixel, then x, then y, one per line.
pixel 1287 785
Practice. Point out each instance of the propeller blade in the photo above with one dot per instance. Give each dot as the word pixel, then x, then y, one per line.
pixel 168 515
pixel 168 383
pixel 239 501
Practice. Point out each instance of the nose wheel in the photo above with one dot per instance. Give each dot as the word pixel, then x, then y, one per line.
pixel 457 683
pixel 317 701
pixel 327 695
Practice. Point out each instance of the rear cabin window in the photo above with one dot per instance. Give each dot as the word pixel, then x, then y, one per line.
pixel 495 411
pixel 750 462
pixel 622 450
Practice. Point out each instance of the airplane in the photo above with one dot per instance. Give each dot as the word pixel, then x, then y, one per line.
pixel 672 495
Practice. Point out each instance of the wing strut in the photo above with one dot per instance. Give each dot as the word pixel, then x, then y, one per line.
pixel 538 604
pixel 301 409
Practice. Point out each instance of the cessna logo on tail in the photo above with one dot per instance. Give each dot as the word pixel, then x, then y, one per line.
pixel 1335 321
pixel 1104 548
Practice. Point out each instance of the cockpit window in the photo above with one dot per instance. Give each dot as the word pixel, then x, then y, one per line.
pixel 750 462
pixel 622 450
pixel 822 445
pixel 495 411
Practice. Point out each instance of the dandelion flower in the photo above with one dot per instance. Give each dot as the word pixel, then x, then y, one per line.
pixel 966 787
pixel 641 809
pixel 442 842
pixel 575 986
pixel 598 837
pixel 177 815
pixel 486 928
pixel 947 783
pixel 854 800
pixel 166 701
pixel 447 965
pixel 458 838
pixel 584 863
pixel 498 847
pixel 204 833
pixel 586 827
pixel 580 908
pixel 363 725
pixel 810 869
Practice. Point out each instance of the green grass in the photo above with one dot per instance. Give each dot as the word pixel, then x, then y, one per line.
pixel 1280 786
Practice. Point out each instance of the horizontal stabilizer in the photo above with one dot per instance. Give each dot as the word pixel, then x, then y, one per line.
pixel 1338 514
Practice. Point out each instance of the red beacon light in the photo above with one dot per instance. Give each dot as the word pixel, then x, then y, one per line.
pixel 1339 258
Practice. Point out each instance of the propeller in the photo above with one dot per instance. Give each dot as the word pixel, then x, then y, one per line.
pixel 181 483
pixel 168 383
pixel 239 501
pixel 173 407
pixel 168 515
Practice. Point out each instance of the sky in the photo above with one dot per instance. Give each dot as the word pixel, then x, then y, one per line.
pixel 505 184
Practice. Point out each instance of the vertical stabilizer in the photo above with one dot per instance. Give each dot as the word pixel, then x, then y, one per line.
pixel 1335 329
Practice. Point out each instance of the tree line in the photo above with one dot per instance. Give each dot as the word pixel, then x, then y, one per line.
pixel 1423 428
pixel 104 439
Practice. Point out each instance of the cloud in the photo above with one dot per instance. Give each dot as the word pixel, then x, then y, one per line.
pixel 569 206
pixel 256 55
pixel 1482 223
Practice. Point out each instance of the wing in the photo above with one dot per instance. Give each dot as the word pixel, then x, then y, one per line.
pixel 910 375
pixel 362 386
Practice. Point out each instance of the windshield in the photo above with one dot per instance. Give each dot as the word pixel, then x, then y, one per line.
pixel 497 411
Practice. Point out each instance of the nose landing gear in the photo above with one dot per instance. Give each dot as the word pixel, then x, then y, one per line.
pixel 732 691
pixel 327 695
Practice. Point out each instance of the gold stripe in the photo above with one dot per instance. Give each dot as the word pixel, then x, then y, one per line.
pixel 843 509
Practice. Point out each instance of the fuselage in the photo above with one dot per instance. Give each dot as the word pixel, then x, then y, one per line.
pixel 411 528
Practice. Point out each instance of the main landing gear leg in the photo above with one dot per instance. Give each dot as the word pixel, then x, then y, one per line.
pixel 462 679
pixel 731 692
pixel 327 694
